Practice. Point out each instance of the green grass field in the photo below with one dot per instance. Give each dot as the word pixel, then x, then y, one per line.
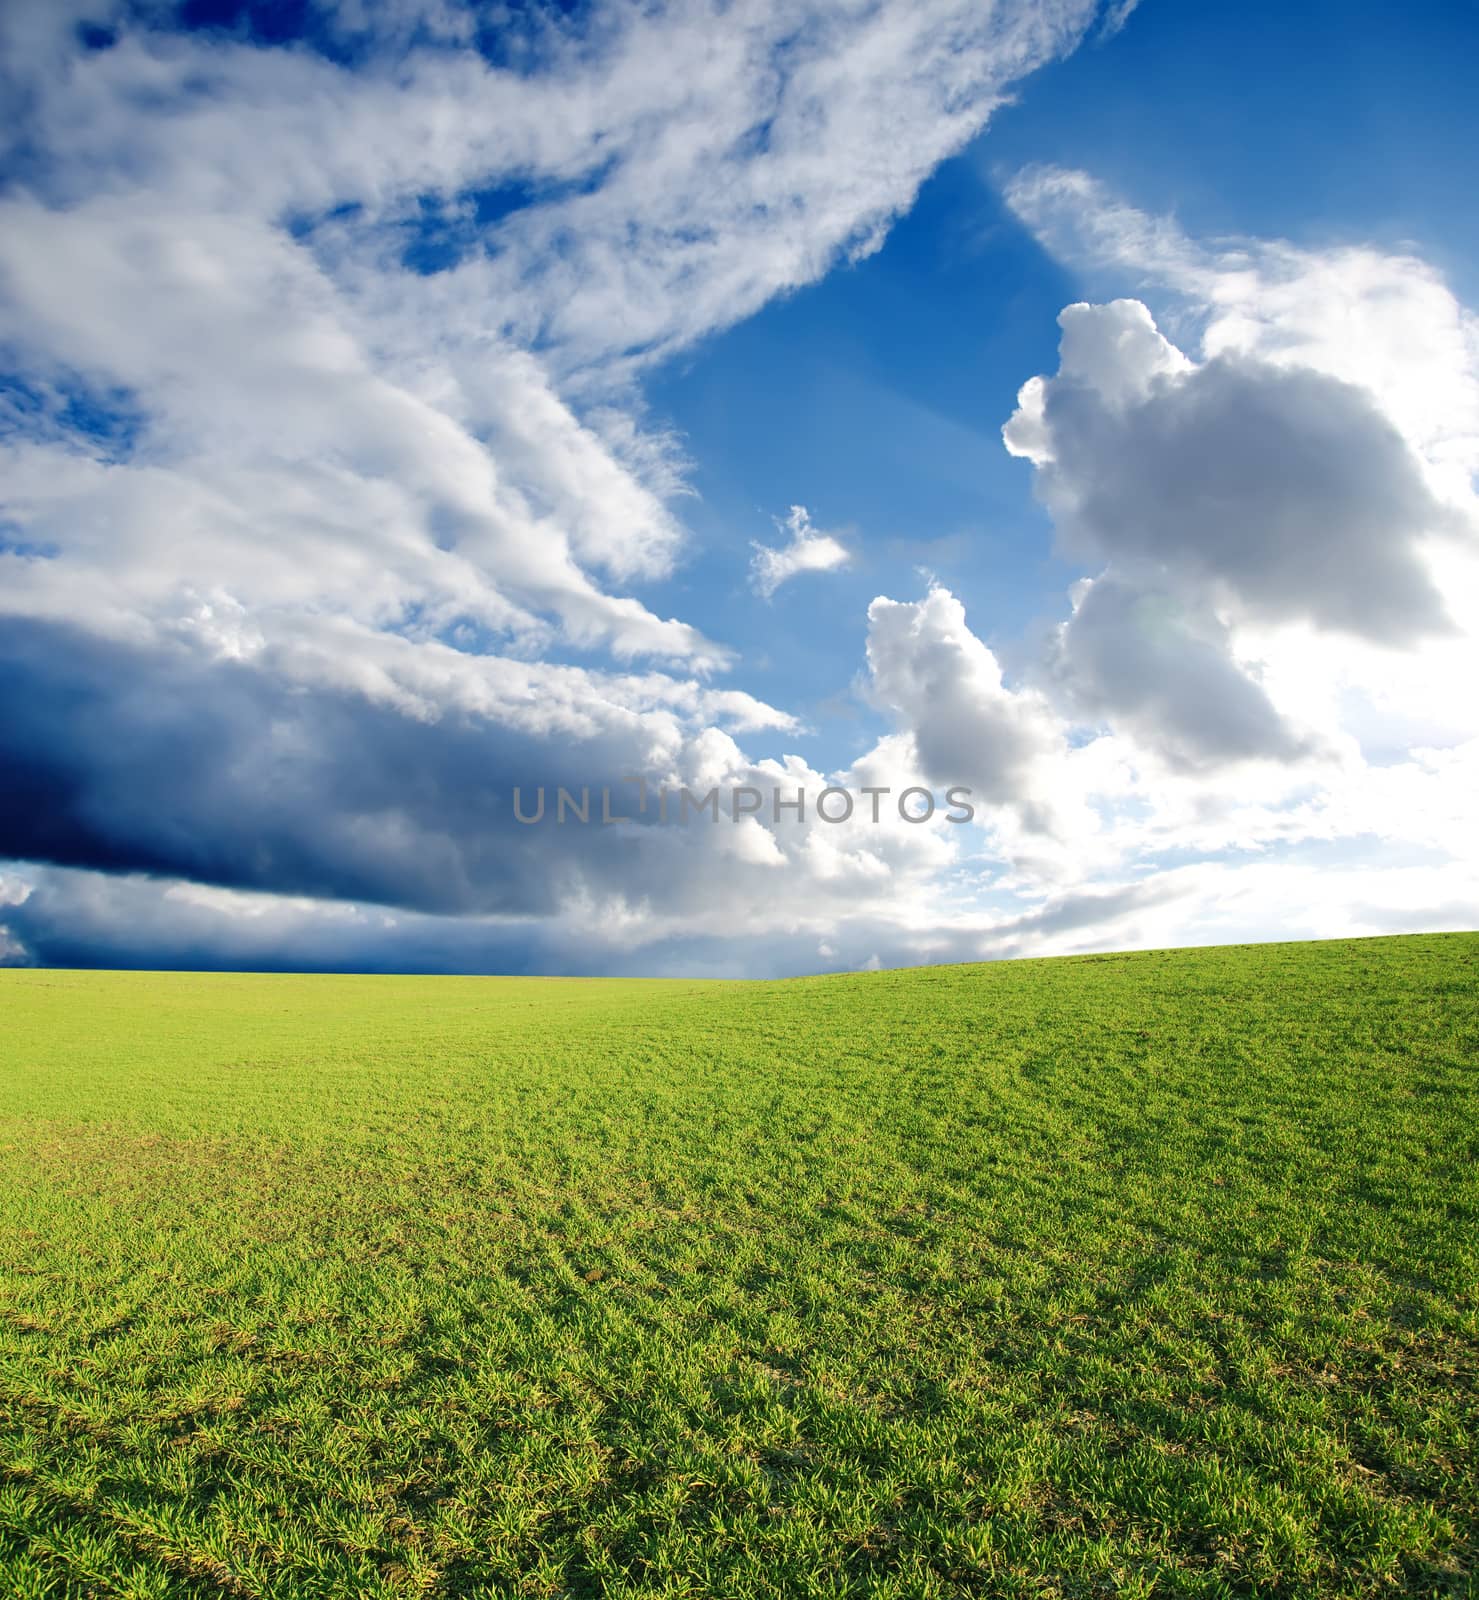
pixel 1146 1274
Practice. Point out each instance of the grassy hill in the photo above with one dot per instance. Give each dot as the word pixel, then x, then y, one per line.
pixel 1144 1274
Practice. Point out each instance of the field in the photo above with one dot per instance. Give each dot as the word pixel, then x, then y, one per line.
pixel 1146 1274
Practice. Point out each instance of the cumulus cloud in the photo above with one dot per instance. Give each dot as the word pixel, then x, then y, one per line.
pixel 1280 579
pixel 1280 491
pixel 1138 656
pixel 1383 320
pixel 1278 520
pixel 809 550
pixel 966 727
pixel 1278 523
pixel 1213 498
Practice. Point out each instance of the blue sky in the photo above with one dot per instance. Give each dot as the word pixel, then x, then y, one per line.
pixel 876 399
pixel 396 400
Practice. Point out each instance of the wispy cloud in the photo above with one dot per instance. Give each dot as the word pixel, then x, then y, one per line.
pixel 809 550
pixel 1115 17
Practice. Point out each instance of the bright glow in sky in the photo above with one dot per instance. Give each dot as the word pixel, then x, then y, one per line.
pixel 404 403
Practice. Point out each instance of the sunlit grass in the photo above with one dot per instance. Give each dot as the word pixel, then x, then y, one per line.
pixel 1139 1274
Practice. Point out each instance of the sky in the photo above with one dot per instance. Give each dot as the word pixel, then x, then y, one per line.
pixel 1067 411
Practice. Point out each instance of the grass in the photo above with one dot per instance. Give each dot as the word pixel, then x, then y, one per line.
pixel 1148 1274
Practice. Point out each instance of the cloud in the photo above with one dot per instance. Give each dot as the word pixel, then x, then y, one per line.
pixel 809 550
pixel 964 725
pixel 294 473
pixel 1281 523
pixel 1279 491
pixel 1280 579
pixel 329 500
pixel 325 458
pixel 457 450
pixel 394 788
pixel 387 778
pixel 1383 320
pixel 1115 17
pixel 1141 658
pixel 70 918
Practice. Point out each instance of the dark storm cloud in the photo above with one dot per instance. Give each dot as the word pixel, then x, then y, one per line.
pixel 136 760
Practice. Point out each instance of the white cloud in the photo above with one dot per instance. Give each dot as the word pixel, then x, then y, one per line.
pixel 965 726
pixel 1278 491
pixel 1271 653
pixel 213 233
pixel 809 550
pixel 1360 369
pixel 1116 16
pixel 1385 321
pixel 1166 673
